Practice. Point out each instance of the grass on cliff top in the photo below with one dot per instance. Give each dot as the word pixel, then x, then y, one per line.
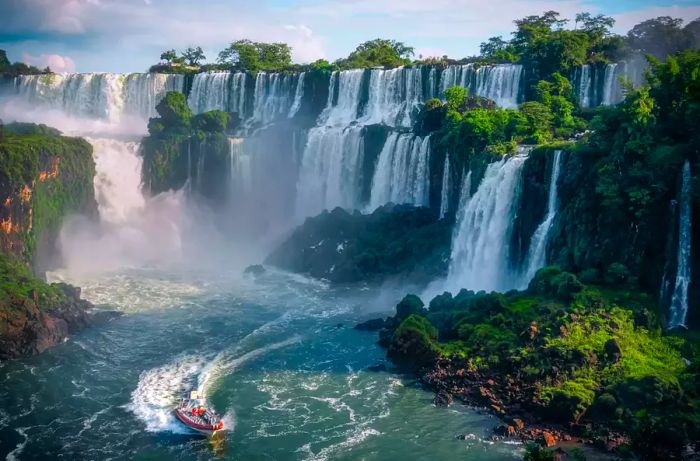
pixel 17 283
pixel 644 352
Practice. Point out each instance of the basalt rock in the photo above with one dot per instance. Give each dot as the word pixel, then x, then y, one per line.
pixel 26 328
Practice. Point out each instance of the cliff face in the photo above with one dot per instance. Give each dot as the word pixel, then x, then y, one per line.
pixel 35 315
pixel 44 177
pixel 394 241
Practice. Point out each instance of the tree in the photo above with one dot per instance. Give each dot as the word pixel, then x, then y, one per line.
pixel 598 25
pixel 321 65
pixel 498 49
pixel 660 37
pixel 455 97
pixel 378 52
pixel 174 113
pixel 4 62
pixel 693 28
pixel 193 56
pixel 168 56
pixel 536 121
pixel 256 56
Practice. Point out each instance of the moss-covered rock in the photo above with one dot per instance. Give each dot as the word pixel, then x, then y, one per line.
pixel 394 241
pixel 44 177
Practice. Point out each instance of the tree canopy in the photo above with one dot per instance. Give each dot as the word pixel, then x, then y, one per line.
pixel 256 56
pixel 378 52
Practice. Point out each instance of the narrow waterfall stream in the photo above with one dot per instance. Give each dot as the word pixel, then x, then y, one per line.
pixel 679 299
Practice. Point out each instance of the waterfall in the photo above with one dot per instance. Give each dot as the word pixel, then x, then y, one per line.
pixel 584 85
pixel 103 96
pixel 274 96
pixel 133 230
pixel 609 86
pixel 445 190
pixel 501 83
pixel 679 299
pixel 240 173
pixel 210 92
pixel 298 94
pixel 479 259
pixel 465 192
pixel 394 96
pixel 537 253
pixel 401 175
pixel 117 179
pixel 343 110
pixel 331 169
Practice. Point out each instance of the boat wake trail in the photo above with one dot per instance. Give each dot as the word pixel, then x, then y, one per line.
pixel 224 364
pixel 158 391
pixel 160 388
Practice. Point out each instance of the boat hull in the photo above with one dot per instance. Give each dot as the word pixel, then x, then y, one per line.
pixel 187 421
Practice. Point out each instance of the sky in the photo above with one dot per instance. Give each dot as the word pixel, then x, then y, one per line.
pixel 129 35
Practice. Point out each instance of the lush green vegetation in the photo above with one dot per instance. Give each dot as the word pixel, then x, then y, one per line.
pixel 179 141
pixel 47 173
pixel 621 178
pixel 377 52
pixel 18 286
pixel 578 354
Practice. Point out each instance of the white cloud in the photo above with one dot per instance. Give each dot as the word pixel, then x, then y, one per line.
pixel 56 62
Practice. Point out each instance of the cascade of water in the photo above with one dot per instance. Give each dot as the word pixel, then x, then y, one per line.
pixel 101 96
pixel 210 91
pixel 394 96
pixel 273 96
pixel 679 299
pixel 501 83
pixel 445 190
pixel 298 94
pixel 240 167
pixel 345 109
pixel 609 85
pixel 117 179
pixel 401 175
pixel 142 92
pixel 479 259
pixel 537 253
pixel 584 82
pixel 331 169
pixel 465 193
pixel 133 229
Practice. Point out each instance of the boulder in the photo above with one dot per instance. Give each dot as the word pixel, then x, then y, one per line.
pixel 255 269
pixel 613 352
pixel 443 399
pixel 371 325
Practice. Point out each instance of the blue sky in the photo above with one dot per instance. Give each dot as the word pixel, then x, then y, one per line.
pixel 128 35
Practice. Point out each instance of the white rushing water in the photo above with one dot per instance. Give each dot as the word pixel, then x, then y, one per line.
pixel 500 83
pixel 445 190
pixel 601 84
pixel 330 170
pixel 479 259
pixel 402 175
pixel 537 253
pixel 103 96
pixel 240 173
pixel 679 299
pixel 395 96
pixel 117 179
pixel 133 229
